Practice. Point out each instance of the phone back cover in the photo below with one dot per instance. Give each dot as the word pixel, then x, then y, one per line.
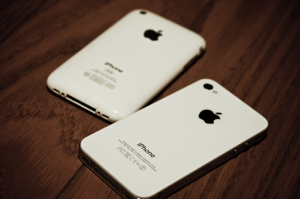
pixel 172 131
pixel 122 70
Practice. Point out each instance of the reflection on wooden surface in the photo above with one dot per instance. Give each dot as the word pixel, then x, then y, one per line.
pixel 253 50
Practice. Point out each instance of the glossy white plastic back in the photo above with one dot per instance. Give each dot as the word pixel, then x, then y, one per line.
pixel 122 70
pixel 166 145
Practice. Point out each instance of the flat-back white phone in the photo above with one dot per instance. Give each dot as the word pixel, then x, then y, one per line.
pixel 126 66
pixel 165 146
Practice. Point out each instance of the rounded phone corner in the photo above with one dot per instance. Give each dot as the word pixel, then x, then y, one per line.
pixel 113 119
pixel 53 81
pixel 50 82
pixel 116 116
pixel 144 195
pixel 266 124
pixel 203 47
pixel 82 144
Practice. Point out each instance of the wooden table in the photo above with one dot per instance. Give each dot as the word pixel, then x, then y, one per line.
pixel 253 49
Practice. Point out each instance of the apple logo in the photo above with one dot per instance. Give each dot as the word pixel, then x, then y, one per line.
pixel 151 34
pixel 208 116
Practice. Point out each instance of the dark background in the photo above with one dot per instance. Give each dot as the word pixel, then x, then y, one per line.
pixel 253 50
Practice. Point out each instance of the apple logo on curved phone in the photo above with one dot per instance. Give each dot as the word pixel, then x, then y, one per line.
pixel 208 116
pixel 153 35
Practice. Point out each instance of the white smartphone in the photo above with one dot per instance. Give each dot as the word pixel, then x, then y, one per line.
pixel 167 145
pixel 125 67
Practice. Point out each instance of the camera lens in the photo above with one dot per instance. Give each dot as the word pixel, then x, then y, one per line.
pixel 208 86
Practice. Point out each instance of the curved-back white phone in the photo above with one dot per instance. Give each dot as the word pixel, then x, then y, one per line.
pixel 167 145
pixel 126 66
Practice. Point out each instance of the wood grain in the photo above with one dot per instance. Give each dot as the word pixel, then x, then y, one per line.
pixel 253 50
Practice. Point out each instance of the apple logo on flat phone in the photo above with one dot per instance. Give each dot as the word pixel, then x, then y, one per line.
pixel 208 116
pixel 153 35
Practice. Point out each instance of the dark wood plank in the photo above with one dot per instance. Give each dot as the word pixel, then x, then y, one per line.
pixel 287 180
pixel 40 133
pixel 40 159
pixel 253 50
pixel 23 11
pixel 93 187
